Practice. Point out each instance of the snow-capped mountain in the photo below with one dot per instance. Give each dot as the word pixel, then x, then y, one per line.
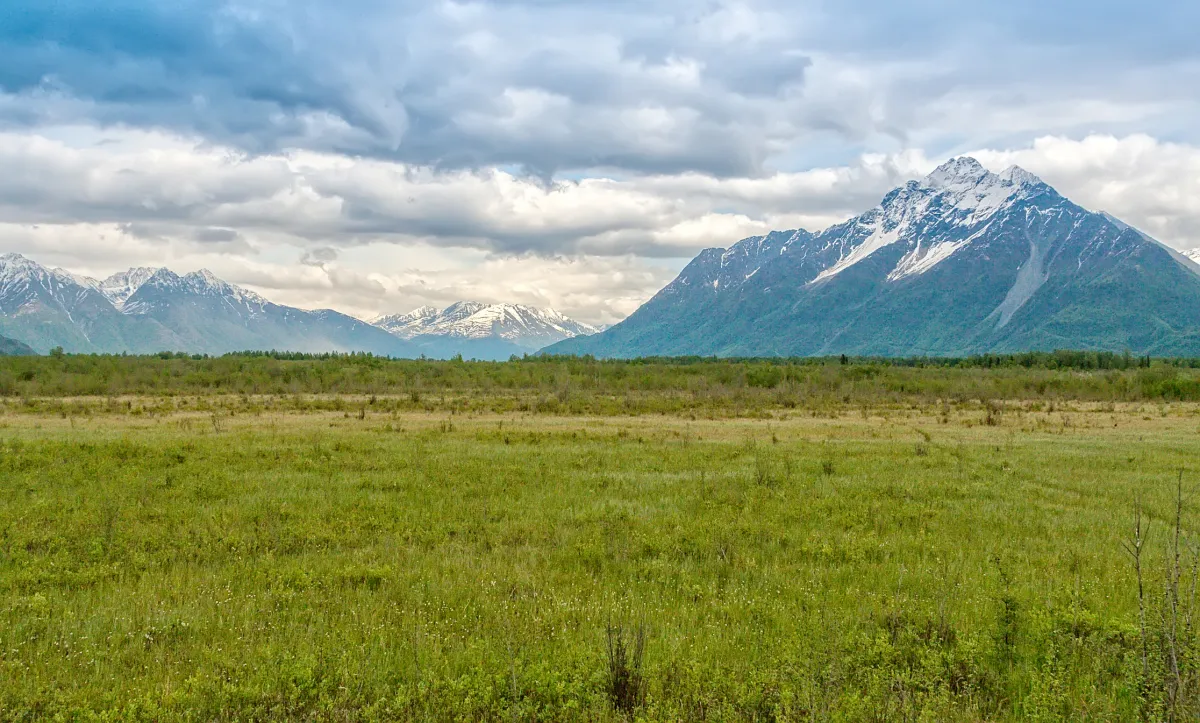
pixel 428 320
pixel 23 283
pixel 962 261
pixel 523 325
pixel 1193 254
pixel 151 310
pixel 45 308
pixel 494 331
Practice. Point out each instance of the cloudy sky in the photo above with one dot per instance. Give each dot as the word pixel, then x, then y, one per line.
pixel 376 155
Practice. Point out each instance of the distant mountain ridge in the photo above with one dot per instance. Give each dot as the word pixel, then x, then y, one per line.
pixel 146 310
pixel 12 347
pixel 963 261
pixel 495 330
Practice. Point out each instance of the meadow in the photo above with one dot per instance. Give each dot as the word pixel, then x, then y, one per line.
pixel 337 539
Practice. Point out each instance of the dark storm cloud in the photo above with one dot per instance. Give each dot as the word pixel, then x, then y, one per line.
pixel 211 235
pixel 544 86
pixel 227 71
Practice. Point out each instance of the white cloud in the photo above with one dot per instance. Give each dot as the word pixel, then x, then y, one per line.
pixel 159 186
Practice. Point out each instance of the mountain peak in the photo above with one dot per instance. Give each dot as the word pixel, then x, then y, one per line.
pixel 138 272
pixel 420 313
pixel 207 278
pixel 1019 176
pixel 163 275
pixel 17 270
pixel 122 285
pixel 14 262
pixel 957 172
pixel 465 308
pixel 966 173
pixel 960 193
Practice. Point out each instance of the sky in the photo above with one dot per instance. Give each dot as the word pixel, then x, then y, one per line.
pixel 378 155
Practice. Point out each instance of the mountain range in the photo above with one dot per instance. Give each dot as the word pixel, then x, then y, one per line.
pixel 147 310
pixel 484 331
pixel 963 261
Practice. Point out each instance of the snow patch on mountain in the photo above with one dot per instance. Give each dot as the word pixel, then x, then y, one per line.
pixel 923 258
pixel 1189 259
pixel 759 249
pixel 517 321
pixel 920 260
pixel 1031 276
pixel 881 237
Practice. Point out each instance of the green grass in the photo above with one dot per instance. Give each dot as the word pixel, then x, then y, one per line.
pixel 891 564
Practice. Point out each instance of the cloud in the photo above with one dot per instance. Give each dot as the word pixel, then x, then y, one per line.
pixel 725 88
pixel 157 187
pixel 154 186
pixel 216 235
pixel 447 84
pixel 319 256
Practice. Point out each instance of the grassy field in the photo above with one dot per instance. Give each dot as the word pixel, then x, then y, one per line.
pixel 847 555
